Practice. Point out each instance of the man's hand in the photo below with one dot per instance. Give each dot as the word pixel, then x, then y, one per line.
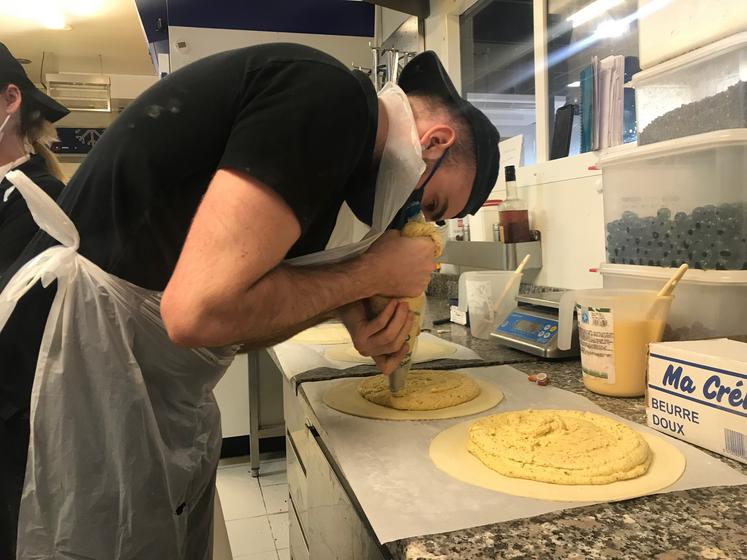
pixel 402 265
pixel 384 337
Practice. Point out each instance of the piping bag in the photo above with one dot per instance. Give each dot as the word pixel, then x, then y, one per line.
pixel 415 227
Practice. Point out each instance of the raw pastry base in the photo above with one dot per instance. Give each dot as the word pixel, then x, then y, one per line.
pixel 448 451
pixel 344 397
pixel 326 333
pixel 426 350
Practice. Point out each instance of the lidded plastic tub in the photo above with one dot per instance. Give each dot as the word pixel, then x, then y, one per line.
pixel 709 303
pixel 615 328
pixel 678 201
pixel 668 29
pixel 701 91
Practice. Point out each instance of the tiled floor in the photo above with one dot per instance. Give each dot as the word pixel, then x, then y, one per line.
pixel 255 509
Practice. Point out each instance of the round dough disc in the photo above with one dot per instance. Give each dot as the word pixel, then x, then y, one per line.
pixel 426 350
pixel 343 396
pixel 326 333
pixel 449 453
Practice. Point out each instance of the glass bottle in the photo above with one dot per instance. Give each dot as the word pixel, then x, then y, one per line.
pixel 513 213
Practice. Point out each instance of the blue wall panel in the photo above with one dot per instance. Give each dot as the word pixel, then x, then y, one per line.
pixel 326 17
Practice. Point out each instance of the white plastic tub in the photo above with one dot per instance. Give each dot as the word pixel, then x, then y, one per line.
pixel 706 303
pixel 667 29
pixel 701 91
pixel 682 200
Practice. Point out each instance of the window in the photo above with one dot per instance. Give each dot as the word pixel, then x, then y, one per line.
pixel 578 30
pixel 497 63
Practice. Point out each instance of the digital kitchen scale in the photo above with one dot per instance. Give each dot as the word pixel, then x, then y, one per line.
pixel 533 327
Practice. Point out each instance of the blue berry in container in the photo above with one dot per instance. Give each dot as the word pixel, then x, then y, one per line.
pixel 664 214
pixel 729 210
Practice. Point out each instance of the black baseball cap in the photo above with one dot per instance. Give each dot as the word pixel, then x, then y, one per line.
pixel 11 72
pixel 425 75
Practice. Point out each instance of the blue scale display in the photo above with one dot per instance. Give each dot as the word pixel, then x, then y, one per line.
pixel 529 327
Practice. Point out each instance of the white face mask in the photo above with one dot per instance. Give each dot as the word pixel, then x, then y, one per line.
pixel 2 127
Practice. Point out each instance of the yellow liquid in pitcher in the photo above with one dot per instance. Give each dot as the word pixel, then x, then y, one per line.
pixel 631 340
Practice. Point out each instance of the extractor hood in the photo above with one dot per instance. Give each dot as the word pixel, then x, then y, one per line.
pixel 81 92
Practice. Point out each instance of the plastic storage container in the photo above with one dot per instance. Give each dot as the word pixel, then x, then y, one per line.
pixel 682 200
pixel 615 328
pixel 669 29
pixel 708 304
pixel 701 91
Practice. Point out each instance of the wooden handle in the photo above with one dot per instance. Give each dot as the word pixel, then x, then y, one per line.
pixel 673 281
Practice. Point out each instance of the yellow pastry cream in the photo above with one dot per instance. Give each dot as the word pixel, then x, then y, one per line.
pixel 424 390
pixel 559 447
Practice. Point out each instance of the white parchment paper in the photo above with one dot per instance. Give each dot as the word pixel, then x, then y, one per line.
pixel 295 358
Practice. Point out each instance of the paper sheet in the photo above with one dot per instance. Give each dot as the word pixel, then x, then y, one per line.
pixel 608 101
pixel 404 495
pixel 295 359
pixel 511 154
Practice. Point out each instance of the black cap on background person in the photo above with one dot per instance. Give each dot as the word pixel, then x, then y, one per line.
pixel 11 72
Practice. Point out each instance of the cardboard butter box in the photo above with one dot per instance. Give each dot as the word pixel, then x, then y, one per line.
pixel 697 392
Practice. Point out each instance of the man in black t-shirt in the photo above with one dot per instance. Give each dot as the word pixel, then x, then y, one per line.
pixel 227 167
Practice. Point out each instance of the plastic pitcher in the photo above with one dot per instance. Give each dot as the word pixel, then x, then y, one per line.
pixel 615 328
pixel 491 296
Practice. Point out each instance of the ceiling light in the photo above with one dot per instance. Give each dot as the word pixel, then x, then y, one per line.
pixel 49 14
pixel 83 8
pixel 53 21
pixel 574 84
pixel 593 10
pixel 611 28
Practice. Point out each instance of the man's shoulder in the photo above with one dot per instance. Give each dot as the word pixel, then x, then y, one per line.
pixel 270 54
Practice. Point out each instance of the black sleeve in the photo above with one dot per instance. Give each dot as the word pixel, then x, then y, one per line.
pixel 301 129
pixel 17 226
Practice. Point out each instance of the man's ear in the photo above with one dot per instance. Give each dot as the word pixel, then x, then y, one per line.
pixel 12 97
pixel 436 139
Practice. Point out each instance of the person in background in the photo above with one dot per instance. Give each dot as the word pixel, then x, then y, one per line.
pixel 188 211
pixel 26 131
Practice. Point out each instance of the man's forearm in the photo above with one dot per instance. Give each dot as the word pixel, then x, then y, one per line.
pixel 262 340
pixel 285 301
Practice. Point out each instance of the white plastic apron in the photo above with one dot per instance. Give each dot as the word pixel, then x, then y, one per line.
pixel 4 171
pixel 125 431
pixel 400 168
